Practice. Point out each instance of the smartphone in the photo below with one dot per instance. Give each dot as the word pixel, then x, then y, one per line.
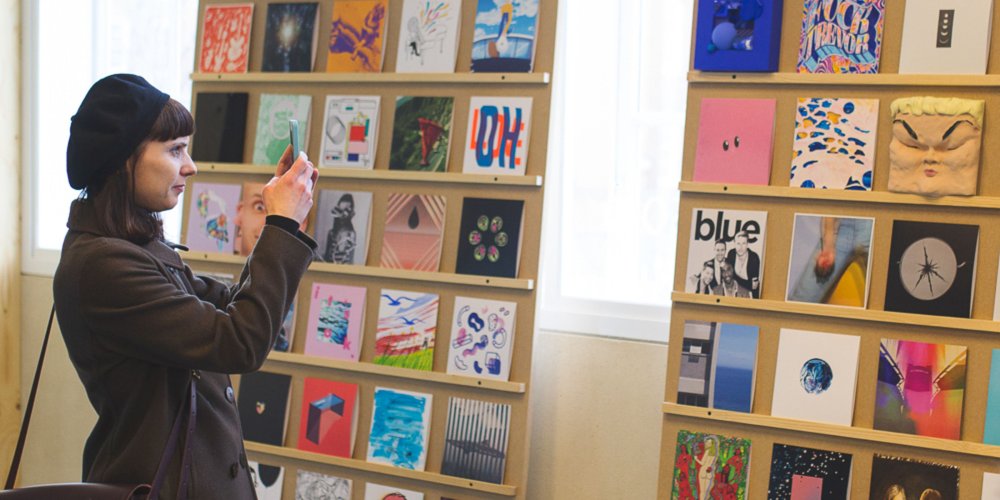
pixel 293 137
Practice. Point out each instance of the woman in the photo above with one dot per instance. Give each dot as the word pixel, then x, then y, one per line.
pixel 138 324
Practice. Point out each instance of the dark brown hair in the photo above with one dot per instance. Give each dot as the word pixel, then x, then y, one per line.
pixel 114 196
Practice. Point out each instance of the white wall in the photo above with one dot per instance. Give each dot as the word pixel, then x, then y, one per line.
pixel 595 411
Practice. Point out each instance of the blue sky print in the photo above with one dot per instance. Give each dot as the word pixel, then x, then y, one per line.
pixel 504 38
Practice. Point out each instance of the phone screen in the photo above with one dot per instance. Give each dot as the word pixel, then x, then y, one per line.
pixel 293 137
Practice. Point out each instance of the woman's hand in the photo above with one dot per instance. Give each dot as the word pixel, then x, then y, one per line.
pixel 290 192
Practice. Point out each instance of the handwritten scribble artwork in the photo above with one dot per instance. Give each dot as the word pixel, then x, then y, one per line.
pixel 407 324
pixel 841 36
pixel 414 227
pixel 482 338
pixel 428 37
pixel 211 217
pixel 807 473
pixel 504 39
pixel 225 38
pixel 895 477
pixel 921 388
pixel 401 422
pixel 499 128
pixel 710 466
pixel 357 36
pixel 931 268
pixel 336 318
pixel 834 145
pixel 475 443
pixel 316 486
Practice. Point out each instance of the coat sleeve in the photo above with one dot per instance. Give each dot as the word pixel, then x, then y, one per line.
pixel 135 309
pixel 210 289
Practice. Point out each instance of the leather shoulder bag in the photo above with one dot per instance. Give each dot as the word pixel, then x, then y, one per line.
pixel 104 491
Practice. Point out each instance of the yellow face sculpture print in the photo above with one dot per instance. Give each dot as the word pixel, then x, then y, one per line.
pixel 935 146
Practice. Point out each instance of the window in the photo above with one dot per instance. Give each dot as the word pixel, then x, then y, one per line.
pixel 68 45
pixel 614 165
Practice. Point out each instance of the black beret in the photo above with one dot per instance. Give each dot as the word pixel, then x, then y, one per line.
pixel 114 118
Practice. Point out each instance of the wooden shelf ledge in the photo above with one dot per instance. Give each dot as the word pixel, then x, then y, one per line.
pixel 849 313
pixel 838 431
pixel 387 470
pixel 879 197
pixel 383 175
pixel 396 372
pixel 450 78
pixel 381 272
pixel 826 79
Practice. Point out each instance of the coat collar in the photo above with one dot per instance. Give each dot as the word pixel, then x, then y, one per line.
pixel 83 219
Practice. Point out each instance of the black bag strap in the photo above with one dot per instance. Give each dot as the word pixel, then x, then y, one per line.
pixel 168 452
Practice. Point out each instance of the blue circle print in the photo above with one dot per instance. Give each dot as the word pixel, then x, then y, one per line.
pixel 816 376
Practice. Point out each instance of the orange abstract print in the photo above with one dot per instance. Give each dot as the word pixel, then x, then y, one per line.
pixel 225 39
pixel 357 36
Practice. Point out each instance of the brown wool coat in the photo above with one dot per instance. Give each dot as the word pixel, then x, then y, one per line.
pixel 137 322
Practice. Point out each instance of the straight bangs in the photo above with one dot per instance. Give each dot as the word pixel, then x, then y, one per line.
pixel 174 121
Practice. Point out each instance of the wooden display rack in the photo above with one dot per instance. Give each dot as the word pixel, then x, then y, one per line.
pixel 771 312
pixel 381 181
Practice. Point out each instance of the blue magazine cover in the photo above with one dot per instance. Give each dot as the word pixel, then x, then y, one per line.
pixel 737 35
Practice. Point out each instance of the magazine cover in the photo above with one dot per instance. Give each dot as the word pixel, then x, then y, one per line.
pixel 311 485
pixel 221 121
pixel 816 376
pixel 482 338
pixel 921 388
pixel 350 131
pixel 718 366
pixel 343 221
pixel 950 37
pixel 735 138
pixel 428 36
pixel 841 36
pixel 329 418
pixel 407 325
pixel 490 237
pixel 504 40
pixel 401 422
pixel 834 146
pixel 250 217
pixel 499 129
pixel 263 406
pixel 225 38
pixel 357 36
pixel 726 253
pixel 421 133
pixel 932 268
pixel 710 466
pixel 270 480
pixel 336 321
pixel 807 473
pixel 475 441
pixel 895 477
pixel 210 226
pixel 737 35
pixel 290 36
pixel 413 231
pixel 272 125
pixel 830 260
pixel 379 492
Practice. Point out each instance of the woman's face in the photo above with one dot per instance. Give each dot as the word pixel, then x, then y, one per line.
pixel 160 173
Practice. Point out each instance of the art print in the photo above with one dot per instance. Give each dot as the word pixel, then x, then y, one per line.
pixel 834 145
pixel 841 36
